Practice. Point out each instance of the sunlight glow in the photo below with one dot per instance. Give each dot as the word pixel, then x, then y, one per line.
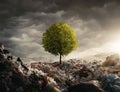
pixel 115 46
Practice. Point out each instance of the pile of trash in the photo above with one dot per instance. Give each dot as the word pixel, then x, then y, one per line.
pixel 15 76
pixel 71 76
pixel 76 72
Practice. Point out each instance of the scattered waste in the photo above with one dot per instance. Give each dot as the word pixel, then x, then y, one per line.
pixel 71 76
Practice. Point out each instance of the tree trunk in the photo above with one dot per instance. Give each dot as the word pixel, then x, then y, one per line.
pixel 60 58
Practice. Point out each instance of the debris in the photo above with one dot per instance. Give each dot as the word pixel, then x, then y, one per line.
pixel 72 76
pixel 111 83
pixel 84 87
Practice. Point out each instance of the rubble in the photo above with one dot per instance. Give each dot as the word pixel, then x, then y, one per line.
pixel 84 87
pixel 71 76
pixel 111 83
pixel 112 60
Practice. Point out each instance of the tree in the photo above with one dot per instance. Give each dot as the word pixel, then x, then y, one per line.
pixel 60 39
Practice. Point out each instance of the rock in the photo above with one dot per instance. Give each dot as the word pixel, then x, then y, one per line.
pixel 84 87
pixel 112 60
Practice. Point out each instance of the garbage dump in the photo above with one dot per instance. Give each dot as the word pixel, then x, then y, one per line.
pixel 70 76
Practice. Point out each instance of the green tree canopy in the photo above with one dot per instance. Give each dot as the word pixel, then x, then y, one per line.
pixel 60 39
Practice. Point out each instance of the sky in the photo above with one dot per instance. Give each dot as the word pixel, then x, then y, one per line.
pixel 22 23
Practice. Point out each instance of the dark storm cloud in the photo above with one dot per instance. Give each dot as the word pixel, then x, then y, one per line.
pixel 22 22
